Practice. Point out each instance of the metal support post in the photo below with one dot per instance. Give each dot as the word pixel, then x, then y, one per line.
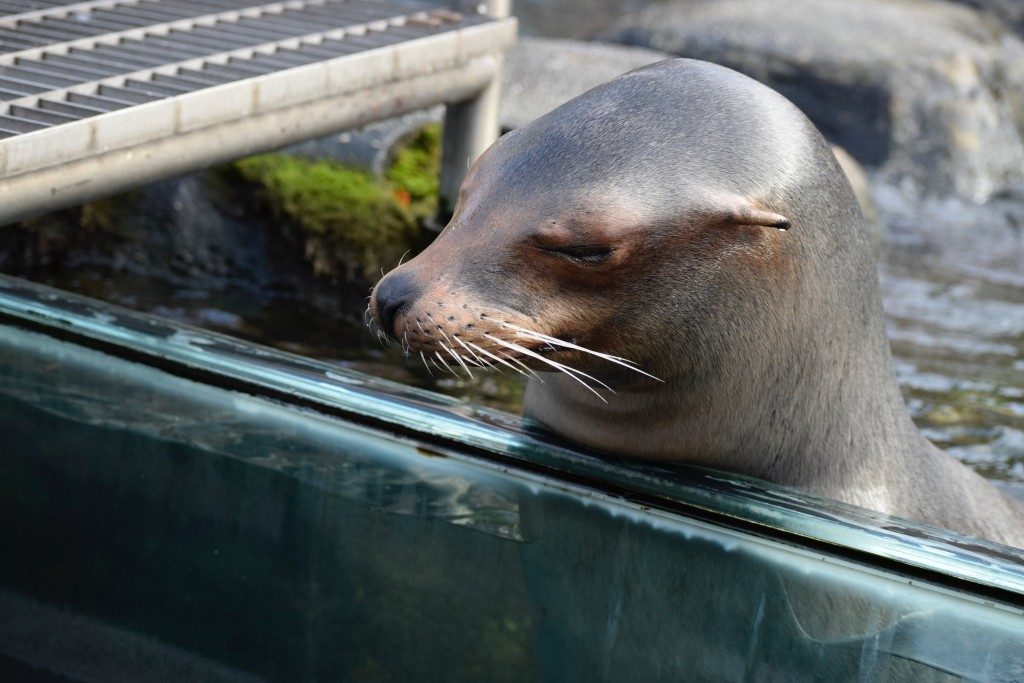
pixel 472 125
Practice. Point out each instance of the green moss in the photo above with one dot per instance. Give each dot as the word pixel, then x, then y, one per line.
pixel 415 169
pixel 350 223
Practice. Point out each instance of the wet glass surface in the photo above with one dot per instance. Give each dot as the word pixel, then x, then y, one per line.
pixel 155 528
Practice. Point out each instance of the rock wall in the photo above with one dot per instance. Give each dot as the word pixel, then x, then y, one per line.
pixel 928 94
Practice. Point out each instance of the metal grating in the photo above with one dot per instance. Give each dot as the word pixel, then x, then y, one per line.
pixel 71 22
pixel 73 64
pixel 190 64
pixel 10 8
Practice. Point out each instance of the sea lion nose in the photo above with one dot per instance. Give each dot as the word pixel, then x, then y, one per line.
pixel 395 292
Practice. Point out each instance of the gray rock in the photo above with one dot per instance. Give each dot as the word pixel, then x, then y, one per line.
pixel 572 18
pixel 1010 12
pixel 368 147
pixel 171 230
pixel 925 93
pixel 194 231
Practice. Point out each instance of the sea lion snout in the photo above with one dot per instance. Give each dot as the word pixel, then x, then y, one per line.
pixel 393 294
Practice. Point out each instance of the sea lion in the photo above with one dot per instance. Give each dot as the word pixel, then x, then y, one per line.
pixel 692 221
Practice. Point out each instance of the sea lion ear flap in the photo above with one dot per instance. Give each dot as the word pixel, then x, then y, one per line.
pixel 745 213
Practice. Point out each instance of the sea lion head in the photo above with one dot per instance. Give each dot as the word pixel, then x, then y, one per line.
pixel 665 221
pixel 683 223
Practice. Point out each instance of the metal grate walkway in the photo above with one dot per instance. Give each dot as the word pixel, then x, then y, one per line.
pixel 157 87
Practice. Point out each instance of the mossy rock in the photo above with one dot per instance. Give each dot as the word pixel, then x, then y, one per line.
pixel 416 168
pixel 946 415
pixel 350 223
pixel 107 214
pixel 53 238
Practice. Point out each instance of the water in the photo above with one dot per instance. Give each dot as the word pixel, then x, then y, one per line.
pixel 958 346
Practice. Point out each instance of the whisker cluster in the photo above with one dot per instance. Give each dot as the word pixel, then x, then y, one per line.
pixel 555 341
pixel 463 353
pixel 371 323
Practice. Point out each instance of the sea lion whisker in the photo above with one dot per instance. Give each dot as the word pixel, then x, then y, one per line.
pixel 447 347
pixel 463 345
pixel 540 336
pixel 475 363
pixel 457 358
pixel 583 374
pixel 525 367
pixel 424 359
pixel 497 358
pixel 618 360
pixel 558 366
pixel 402 257
pixel 371 322
pixel 547 337
pixel 446 337
pixel 441 358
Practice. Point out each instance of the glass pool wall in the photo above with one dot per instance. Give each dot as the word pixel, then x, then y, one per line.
pixel 157 528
